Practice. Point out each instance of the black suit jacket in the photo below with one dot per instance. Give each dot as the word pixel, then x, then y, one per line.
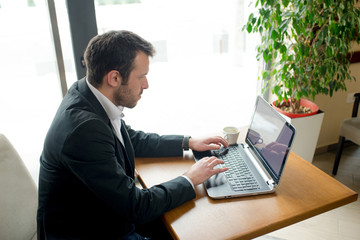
pixel 86 182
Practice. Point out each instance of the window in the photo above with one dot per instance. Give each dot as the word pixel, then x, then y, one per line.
pixel 204 75
pixel 30 91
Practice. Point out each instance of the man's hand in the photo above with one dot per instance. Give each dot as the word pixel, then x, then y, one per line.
pixel 203 169
pixel 211 143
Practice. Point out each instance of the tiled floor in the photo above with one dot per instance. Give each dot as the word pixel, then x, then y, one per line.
pixel 341 223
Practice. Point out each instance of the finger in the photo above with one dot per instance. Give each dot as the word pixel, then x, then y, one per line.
pixel 215 162
pixel 210 159
pixel 214 146
pixel 207 159
pixel 220 141
pixel 224 142
pixel 216 142
pixel 220 170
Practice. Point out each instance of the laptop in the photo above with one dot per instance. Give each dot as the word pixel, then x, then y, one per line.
pixel 259 162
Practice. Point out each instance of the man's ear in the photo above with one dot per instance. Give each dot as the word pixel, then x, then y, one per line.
pixel 113 78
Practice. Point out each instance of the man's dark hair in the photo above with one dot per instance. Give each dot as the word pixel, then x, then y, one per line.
pixel 114 50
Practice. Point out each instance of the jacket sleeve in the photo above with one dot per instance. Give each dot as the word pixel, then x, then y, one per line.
pixel 89 153
pixel 154 145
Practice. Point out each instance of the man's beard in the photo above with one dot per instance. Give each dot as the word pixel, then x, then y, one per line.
pixel 125 99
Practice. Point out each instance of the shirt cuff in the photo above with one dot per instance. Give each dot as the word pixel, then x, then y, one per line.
pixel 188 179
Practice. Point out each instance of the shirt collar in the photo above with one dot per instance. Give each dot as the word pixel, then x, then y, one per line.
pixel 113 112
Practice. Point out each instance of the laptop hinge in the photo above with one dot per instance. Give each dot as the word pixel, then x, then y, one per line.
pixel 271 183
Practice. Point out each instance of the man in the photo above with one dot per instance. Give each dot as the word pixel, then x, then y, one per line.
pixel 86 183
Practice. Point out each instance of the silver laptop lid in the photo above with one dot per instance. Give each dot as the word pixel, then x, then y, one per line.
pixel 270 137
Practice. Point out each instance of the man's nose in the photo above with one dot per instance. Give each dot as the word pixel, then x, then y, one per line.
pixel 145 84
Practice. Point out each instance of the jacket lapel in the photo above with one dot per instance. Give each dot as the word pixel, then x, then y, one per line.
pixel 124 153
pixel 128 148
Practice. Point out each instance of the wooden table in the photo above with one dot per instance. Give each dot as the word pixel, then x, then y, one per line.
pixel 304 191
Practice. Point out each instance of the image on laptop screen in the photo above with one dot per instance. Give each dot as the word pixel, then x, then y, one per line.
pixel 271 135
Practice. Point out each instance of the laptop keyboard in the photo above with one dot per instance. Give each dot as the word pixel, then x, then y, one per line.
pixel 239 175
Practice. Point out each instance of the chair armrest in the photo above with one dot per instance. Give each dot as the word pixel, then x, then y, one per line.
pixel 356 105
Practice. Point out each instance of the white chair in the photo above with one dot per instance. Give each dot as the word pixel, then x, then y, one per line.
pixel 18 196
pixel 349 130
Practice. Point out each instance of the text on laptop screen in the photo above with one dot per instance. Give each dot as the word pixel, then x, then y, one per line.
pixel 270 134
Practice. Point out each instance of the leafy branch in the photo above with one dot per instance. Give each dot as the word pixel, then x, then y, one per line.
pixel 307 43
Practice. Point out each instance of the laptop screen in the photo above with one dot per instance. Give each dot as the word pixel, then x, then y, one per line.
pixel 270 136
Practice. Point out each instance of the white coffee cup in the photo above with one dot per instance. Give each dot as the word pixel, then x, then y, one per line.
pixel 231 135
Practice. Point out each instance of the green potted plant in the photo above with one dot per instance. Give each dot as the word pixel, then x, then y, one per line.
pixel 307 44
